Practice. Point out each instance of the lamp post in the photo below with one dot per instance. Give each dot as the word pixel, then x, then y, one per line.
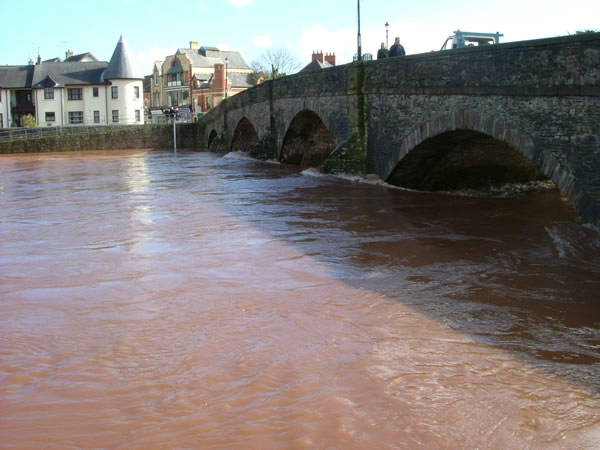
pixel 387 25
pixel 226 84
pixel 359 43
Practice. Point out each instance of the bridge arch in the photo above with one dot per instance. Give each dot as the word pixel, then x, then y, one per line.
pixel 212 137
pixel 467 149
pixel 307 141
pixel 244 136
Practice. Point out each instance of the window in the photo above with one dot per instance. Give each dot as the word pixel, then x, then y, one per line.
pixel 75 94
pixel 49 93
pixel 175 98
pixel 156 81
pixel 136 92
pixel 115 116
pixel 115 91
pixel 175 79
pixel 95 92
pixel 50 117
pixel 76 117
pixel 1 119
pixel 137 115
pixel 96 116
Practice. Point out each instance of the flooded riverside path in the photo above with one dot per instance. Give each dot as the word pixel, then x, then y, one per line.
pixel 159 300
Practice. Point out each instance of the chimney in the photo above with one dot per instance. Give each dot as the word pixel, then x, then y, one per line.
pixel 219 82
pixel 330 58
pixel 39 60
pixel 30 62
pixel 194 45
pixel 317 56
pixel 68 54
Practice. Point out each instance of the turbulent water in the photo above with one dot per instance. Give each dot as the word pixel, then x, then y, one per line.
pixel 152 299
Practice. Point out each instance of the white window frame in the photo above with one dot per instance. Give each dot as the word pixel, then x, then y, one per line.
pixel 75 117
pixel 71 94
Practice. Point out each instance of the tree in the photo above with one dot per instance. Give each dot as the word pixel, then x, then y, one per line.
pixel 273 63
pixel 29 121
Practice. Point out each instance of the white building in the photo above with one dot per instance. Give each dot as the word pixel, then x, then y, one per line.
pixel 85 92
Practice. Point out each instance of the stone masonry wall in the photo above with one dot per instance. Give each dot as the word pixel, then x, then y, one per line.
pixel 108 138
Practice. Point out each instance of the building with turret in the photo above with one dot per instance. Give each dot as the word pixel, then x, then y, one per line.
pixel 77 91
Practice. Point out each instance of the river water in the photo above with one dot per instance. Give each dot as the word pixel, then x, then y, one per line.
pixel 160 300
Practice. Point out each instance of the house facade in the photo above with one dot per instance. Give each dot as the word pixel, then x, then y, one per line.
pixel 198 78
pixel 78 91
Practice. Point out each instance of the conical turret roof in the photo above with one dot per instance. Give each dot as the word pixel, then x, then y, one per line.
pixel 122 64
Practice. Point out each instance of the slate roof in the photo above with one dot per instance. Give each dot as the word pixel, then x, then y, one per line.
pixel 316 66
pixel 14 77
pixel 122 65
pixel 198 60
pixel 81 57
pixel 60 74
pixel 239 80
pixel 69 73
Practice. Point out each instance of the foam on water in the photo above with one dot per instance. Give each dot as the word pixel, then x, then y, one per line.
pixel 245 156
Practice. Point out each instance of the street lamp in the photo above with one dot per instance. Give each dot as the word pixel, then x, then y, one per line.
pixel 387 25
pixel 359 52
pixel 226 84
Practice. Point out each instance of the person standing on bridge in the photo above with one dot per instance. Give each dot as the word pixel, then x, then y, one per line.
pixel 382 52
pixel 397 49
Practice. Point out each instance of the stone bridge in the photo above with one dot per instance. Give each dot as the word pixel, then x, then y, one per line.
pixel 462 118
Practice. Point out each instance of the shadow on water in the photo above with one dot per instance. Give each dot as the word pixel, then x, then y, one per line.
pixel 521 274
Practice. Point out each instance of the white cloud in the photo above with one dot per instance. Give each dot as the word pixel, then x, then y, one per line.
pixel 224 47
pixel 341 42
pixel 263 41
pixel 240 3
pixel 145 60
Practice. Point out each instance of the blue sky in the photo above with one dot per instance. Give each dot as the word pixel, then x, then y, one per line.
pixel 154 29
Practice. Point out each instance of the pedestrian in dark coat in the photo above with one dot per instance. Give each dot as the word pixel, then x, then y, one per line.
pixel 397 49
pixel 382 52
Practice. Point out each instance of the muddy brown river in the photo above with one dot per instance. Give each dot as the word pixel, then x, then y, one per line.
pixel 160 300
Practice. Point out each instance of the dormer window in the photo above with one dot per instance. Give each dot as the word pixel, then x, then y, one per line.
pixel 175 74
pixel 175 79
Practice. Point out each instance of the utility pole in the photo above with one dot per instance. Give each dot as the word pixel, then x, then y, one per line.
pixel 387 25
pixel 359 52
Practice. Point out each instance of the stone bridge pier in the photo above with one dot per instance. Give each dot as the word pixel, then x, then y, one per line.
pixel 463 118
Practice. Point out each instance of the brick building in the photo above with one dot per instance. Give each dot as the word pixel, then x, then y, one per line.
pixel 198 78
